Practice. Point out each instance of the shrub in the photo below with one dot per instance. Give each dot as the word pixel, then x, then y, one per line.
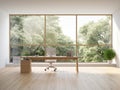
pixel 109 54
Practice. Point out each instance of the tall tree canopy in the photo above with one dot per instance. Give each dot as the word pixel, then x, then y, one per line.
pixel 31 34
pixel 94 35
pixel 30 30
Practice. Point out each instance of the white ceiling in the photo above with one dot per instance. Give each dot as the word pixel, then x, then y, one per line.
pixel 60 6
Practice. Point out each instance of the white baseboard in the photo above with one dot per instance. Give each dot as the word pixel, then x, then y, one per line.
pixel 66 64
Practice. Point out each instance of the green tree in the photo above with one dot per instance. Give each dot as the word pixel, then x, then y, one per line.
pixel 16 29
pixel 33 30
pixel 27 34
pixel 94 35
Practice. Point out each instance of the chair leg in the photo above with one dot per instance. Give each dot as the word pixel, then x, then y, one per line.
pixel 50 66
pixel 55 69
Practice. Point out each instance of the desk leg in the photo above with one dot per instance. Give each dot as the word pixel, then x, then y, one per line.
pixel 77 69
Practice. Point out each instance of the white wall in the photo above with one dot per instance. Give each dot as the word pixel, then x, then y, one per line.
pixel 54 7
pixel 60 6
pixel 4 38
pixel 116 35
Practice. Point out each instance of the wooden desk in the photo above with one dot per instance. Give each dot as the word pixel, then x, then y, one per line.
pixel 53 57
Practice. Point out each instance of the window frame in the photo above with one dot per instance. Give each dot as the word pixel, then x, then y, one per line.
pixel 76 15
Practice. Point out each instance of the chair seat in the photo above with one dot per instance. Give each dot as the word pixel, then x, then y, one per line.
pixel 50 61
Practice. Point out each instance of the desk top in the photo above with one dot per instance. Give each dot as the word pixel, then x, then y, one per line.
pixel 49 57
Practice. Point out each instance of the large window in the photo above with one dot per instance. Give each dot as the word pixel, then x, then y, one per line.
pixel 85 35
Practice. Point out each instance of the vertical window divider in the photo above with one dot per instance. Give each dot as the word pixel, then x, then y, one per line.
pixel 45 27
pixel 111 33
pixel 76 38
pixel 9 38
pixel 45 33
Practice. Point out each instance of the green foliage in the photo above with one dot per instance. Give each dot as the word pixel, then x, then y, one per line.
pixel 29 31
pixel 16 29
pixel 95 34
pixel 109 54
pixel 91 53
pixel 33 30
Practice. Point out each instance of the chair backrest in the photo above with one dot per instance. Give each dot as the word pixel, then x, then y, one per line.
pixel 50 51
pixel 16 59
pixel 69 53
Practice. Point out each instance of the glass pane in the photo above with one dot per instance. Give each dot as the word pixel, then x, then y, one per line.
pixel 60 30
pixel 94 30
pixel 91 53
pixel 66 51
pixel 63 50
pixel 27 51
pixel 26 30
pixel 28 38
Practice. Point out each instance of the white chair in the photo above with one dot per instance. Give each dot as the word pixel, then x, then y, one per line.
pixel 16 59
pixel 50 51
